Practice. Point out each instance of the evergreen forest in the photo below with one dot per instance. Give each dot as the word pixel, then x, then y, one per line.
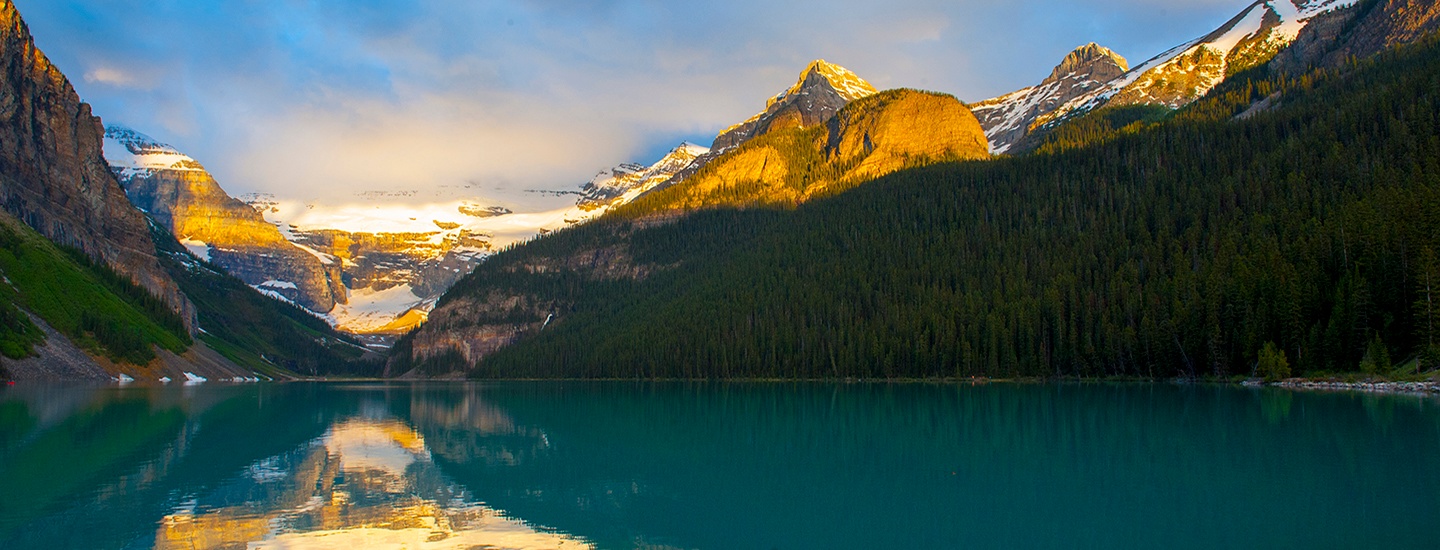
pixel 1129 245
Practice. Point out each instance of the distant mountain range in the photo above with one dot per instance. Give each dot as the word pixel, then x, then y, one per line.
pixel 1092 76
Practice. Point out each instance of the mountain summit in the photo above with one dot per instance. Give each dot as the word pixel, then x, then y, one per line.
pixel 1172 79
pixel 1008 118
pixel 1090 60
pixel 822 89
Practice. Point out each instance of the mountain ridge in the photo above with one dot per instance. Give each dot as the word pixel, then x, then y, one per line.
pixel 1172 79
pixel 182 196
pixel 52 174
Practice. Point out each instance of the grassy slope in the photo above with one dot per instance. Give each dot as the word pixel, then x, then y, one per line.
pixel 99 310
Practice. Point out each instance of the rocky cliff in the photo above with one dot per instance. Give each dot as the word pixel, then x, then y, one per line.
pixel 821 91
pixel 53 175
pixel 1172 79
pixel 1334 38
pixel 1007 119
pixel 184 198
pixel 868 138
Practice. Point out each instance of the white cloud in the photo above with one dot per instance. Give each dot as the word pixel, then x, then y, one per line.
pixel 118 78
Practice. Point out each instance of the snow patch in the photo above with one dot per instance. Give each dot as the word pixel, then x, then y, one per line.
pixel 1244 29
pixel 370 310
pixel 197 247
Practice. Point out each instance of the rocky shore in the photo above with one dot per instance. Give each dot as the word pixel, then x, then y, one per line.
pixel 1415 388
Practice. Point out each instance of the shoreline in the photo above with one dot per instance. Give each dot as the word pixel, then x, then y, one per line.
pixel 1379 387
pixel 1417 388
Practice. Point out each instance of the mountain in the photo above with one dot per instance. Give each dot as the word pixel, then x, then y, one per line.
pixel 1172 79
pixel 869 137
pixel 625 183
pixel 1333 38
pixel 1180 249
pixel 374 267
pixel 92 287
pixel 1007 119
pixel 184 198
pixel 53 176
pixel 513 296
pixel 821 91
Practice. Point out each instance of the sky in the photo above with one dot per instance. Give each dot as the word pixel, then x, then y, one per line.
pixel 324 99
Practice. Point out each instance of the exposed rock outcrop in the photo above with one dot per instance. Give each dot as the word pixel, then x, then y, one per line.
pixel 894 129
pixel 184 198
pixel 1007 119
pixel 822 90
pixel 1332 39
pixel 868 138
pixel 53 175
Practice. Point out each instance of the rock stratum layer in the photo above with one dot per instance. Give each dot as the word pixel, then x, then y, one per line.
pixel 184 198
pixel 53 175
pixel 1336 37
pixel 868 138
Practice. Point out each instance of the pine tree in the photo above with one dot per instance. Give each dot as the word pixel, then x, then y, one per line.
pixel 1272 366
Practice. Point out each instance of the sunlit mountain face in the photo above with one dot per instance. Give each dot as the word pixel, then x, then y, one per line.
pixel 368 481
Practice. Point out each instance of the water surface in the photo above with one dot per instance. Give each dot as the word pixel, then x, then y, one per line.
pixel 714 466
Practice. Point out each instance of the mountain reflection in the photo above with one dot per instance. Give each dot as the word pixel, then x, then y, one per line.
pixel 368 482
pixel 296 466
pixel 712 466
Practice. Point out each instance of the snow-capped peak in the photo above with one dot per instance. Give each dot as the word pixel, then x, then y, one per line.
pixel 847 83
pixel 628 181
pixel 131 152
pixel 1173 78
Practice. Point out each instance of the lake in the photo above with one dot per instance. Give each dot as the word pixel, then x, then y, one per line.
pixel 714 466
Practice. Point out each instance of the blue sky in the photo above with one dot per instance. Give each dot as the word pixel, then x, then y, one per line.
pixel 323 98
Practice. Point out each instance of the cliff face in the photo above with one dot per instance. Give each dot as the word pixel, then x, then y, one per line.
pixel 1368 28
pixel 183 197
pixel 888 131
pixel 868 138
pixel 1007 119
pixel 821 91
pixel 53 175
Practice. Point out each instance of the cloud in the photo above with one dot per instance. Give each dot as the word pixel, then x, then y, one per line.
pixel 319 98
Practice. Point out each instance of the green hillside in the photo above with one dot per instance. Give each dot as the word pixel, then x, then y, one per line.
pixel 1158 249
pixel 99 309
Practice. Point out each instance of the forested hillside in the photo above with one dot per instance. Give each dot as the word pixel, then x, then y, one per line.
pixel 1177 248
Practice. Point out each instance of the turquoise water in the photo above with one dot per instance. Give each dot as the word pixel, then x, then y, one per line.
pixel 715 466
